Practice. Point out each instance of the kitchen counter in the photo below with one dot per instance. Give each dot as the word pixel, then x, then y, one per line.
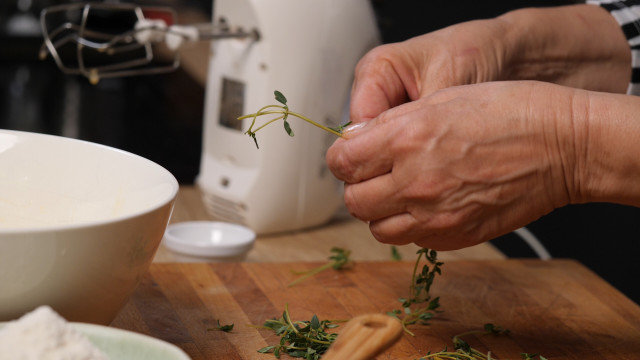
pixel 312 244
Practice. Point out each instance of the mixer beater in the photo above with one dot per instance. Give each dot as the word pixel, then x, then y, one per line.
pixel 104 40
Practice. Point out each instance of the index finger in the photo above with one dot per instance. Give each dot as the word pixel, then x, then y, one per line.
pixel 368 151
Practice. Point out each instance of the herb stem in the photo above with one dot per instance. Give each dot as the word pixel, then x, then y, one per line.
pixel 339 260
pixel 284 112
pixel 404 327
pixel 287 318
pixel 310 273
pixel 412 288
pixel 260 113
pixel 269 122
pixel 314 123
pixel 256 115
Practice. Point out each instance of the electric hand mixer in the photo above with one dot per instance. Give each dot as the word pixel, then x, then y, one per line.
pixel 306 49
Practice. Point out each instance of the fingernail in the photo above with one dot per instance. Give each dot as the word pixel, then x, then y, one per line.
pixel 351 130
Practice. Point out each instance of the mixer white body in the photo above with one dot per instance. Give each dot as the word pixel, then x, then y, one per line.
pixel 308 50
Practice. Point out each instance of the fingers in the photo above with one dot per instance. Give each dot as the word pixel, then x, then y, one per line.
pixel 397 230
pixel 378 83
pixel 374 199
pixel 368 151
pixel 405 228
pixel 353 164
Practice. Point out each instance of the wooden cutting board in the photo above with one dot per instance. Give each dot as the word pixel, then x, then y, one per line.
pixel 557 308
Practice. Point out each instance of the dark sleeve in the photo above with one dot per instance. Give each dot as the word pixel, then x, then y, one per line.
pixel 627 14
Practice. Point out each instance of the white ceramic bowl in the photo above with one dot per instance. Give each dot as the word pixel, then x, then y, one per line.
pixel 79 225
pixel 211 239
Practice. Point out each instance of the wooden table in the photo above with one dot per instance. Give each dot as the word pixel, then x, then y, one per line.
pixel 312 244
pixel 556 308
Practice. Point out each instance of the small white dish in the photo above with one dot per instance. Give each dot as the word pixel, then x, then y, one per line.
pixel 123 344
pixel 209 239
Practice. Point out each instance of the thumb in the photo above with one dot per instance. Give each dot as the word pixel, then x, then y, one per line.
pixel 377 86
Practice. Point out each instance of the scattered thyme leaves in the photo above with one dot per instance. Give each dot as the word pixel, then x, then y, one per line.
pixel 339 260
pixel 300 339
pixel 224 328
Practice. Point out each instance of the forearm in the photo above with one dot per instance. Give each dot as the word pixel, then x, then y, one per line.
pixel 580 46
pixel 608 165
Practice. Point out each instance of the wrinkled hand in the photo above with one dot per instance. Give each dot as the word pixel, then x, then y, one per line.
pixel 579 46
pixel 464 164
pixel 393 74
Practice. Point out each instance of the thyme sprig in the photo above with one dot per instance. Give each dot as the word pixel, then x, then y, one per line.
pixel 339 260
pixel 420 306
pixel 282 112
pixel 464 351
pixel 300 339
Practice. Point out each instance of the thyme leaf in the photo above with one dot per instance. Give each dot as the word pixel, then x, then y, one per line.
pixel 280 98
pixel 224 328
pixel 395 254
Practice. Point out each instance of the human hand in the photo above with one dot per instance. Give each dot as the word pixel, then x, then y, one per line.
pixel 580 46
pixel 393 74
pixel 465 164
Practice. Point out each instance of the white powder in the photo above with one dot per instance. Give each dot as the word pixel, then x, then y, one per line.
pixel 44 335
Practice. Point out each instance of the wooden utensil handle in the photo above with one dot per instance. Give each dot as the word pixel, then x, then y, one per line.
pixel 364 337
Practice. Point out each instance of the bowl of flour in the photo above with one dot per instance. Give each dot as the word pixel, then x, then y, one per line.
pixel 79 225
pixel 44 335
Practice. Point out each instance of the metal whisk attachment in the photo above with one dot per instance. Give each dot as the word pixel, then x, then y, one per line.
pixel 103 40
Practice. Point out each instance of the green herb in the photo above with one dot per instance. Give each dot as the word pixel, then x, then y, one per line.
pixel 225 328
pixel 420 307
pixel 280 98
pixel 300 339
pixel 395 254
pixel 464 351
pixel 282 112
pixel 339 260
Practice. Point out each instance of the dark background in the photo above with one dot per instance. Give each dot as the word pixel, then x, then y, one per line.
pixel 160 117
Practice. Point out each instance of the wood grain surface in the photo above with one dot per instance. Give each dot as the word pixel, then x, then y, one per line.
pixel 311 244
pixel 556 308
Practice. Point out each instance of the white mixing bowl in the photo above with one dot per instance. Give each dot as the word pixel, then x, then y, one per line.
pixel 79 225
